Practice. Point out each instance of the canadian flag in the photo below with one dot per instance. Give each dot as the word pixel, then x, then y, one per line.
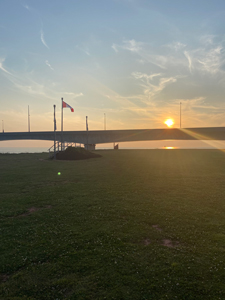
pixel 64 105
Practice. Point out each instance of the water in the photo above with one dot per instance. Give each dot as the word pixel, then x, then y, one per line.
pixel 45 149
pixel 23 149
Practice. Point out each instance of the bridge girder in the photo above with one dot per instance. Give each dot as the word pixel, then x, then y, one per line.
pixel 113 136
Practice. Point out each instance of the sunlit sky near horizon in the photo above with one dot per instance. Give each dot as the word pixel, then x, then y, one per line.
pixel 133 60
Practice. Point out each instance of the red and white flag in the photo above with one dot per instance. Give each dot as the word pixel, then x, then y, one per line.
pixel 64 105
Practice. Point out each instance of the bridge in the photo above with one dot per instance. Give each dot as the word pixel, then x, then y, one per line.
pixel 91 138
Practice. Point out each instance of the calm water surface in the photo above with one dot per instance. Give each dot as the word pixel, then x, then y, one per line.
pixel 45 149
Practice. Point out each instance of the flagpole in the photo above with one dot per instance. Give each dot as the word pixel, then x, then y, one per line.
pixel 104 121
pixel 180 114
pixel 28 119
pixel 54 133
pixel 87 130
pixel 62 125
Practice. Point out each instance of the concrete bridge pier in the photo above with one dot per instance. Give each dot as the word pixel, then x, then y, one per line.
pixel 90 147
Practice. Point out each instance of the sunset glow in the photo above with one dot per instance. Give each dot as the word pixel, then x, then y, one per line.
pixel 115 72
pixel 169 122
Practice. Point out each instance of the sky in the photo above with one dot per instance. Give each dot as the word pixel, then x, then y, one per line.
pixel 133 60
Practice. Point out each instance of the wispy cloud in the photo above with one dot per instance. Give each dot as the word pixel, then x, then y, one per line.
pixel 208 58
pixel 43 39
pixel 176 46
pixel 87 52
pixel 1 66
pixel 139 75
pixel 140 49
pixel 74 94
pixel 197 112
pixel 84 49
pixel 32 87
pixel 207 39
pixel 48 64
pixel 99 89
pixel 177 60
pixel 130 45
pixel 27 7
pixel 115 48
pixel 150 89
pixel 212 60
pixel 25 84
pixel 190 103
pixel 189 60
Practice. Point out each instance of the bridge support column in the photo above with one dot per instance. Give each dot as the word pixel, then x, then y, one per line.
pixel 89 147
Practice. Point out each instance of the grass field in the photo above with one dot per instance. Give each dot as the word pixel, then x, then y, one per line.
pixel 134 224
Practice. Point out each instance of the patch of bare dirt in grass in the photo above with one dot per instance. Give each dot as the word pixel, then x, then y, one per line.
pixel 147 242
pixel 48 206
pixel 29 211
pixel 169 243
pixel 4 277
pixel 32 210
pixel 165 242
pixel 157 227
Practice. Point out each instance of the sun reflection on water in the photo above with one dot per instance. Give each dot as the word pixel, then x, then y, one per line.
pixel 169 148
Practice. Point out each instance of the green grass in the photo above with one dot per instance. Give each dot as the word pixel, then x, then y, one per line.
pixel 97 230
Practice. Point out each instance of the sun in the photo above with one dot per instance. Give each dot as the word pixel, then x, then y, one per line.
pixel 169 122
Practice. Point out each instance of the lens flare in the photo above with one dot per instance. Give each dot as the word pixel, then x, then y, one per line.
pixel 59 173
pixel 169 122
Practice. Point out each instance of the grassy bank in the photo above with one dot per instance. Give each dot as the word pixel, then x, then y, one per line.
pixel 134 224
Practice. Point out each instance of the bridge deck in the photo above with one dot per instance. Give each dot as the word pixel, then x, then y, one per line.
pixel 111 136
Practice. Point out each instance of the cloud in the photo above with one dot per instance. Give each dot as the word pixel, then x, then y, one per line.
pixel 196 112
pixel 130 45
pixel 48 64
pixel 207 39
pixel 196 105
pixel 189 60
pixel 33 88
pixel 27 7
pixel 99 89
pixel 87 52
pixel 141 61
pixel 1 66
pixel 150 89
pixel 140 49
pixel 199 64
pixel 190 104
pixel 84 49
pixel 74 95
pixel 212 60
pixel 139 75
pixel 208 58
pixel 115 48
pixel 176 46
pixel 43 40
pixel 25 84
